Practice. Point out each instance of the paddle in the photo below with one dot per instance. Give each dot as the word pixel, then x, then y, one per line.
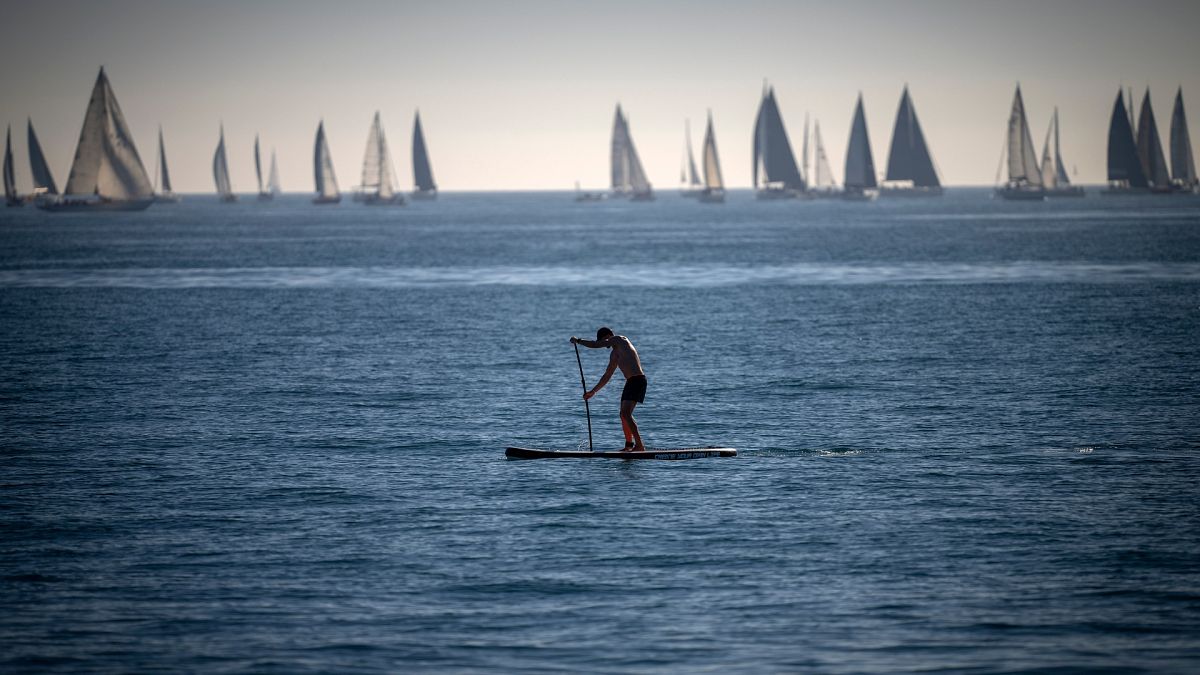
pixel 587 408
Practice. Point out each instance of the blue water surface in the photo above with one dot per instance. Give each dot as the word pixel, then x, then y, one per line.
pixel 268 437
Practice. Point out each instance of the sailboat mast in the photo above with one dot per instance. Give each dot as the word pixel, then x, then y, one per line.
pixel 157 165
pixel 804 148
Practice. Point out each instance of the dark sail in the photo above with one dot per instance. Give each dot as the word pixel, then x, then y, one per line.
pixel 772 150
pixel 1123 161
pixel 10 179
pixel 1183 165
pixel 909 158
pixel 422 173
pixel 1150 151
pixel 860 165
pixel 37 164
pixel 162 162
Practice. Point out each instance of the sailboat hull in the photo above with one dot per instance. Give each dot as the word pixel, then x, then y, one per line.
pixel 859 195
pixel 1021 195
pixel 265 196
pixel 327 200
pixel 776 193
pixel 62 205
pixel 424 195
pixel 711 196
pixel 1072 191
pixel 376 200
pixel 911 192
pixel 641 197
pixel 169 198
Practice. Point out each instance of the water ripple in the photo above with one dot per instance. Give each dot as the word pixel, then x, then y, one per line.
pixel 651 276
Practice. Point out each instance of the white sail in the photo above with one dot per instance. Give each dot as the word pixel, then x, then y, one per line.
pixel 1022 158
pixel 326 181
pixel 1049 175
pixel 693 175
pixel 619 154
pixel 106 161
pixel 822 175
pixel 273 178
pixel 712 163
pixel 221 169
pixel 628 176
pixel 378 177
pixel 387 175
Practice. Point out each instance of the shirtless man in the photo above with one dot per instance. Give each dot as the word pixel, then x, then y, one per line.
pixel 625 357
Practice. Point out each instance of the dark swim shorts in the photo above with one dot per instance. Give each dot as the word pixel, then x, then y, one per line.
pixel 635 389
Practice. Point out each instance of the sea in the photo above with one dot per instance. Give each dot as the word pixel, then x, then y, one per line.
pixel 269 437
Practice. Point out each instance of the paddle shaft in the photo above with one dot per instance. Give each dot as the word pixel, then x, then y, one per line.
pixel 587 408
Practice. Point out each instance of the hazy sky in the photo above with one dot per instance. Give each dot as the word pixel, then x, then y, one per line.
pixel 520 95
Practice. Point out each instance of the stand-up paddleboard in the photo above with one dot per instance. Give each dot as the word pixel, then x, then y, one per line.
pixel 650 453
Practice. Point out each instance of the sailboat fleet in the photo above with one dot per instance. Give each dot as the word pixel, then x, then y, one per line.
pixel 1028 178
pixel 107 173
pixel 1136 162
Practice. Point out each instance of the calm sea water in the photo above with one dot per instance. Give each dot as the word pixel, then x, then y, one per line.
pixel 269 437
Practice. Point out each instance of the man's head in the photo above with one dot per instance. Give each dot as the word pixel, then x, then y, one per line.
pixel 603 334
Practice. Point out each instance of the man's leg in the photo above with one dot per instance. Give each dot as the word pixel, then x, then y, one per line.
pixel 625 429
pixel 630 424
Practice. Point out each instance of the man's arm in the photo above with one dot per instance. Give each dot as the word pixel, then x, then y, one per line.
pixel 591 344
pixel 608 373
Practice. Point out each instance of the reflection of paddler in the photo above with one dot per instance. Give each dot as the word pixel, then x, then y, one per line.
pixel 625 357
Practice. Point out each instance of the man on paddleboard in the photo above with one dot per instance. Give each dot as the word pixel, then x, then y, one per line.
pixel 625 357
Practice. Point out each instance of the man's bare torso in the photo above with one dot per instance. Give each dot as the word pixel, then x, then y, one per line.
pixel 625 356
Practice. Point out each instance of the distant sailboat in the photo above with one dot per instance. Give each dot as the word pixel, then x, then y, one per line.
pixel 1054 175
pixel 1024 174
pixel 326 182
pixel 582 196
pixel 1125 172
pixel 220 168
pixel 422 170
pixel 775 174
pixel 107 173
pixel 689 178
pixel 860 184
pixel 378 184
pixel 628 176
pixel 273 178
pixel 263 194
pixel 910 170
pixel 823 185
pixel 43 181
pixel 1150 150
pixel 164 195
pixel 11 198
pixel 714 183
pixel 1183 165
